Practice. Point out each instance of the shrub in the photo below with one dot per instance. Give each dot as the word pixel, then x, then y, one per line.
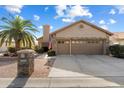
pixel 117 50
pixel 45 49
pixel 39 50
pixel 51 53
pixel 6 54
pixel 12 49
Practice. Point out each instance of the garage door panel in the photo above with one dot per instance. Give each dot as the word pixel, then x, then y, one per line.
pixel 87 48
pixel 63 48
pixel 80 47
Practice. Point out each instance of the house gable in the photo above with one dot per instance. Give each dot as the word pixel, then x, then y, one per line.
pixel 90 28
pixel 81 29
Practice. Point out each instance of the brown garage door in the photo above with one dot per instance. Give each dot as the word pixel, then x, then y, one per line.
pixel 86 47
pixel 80 47
pixel 63 47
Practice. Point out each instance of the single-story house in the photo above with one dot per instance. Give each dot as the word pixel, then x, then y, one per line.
pixel 4 47
pixel 80 37
pixel 117 38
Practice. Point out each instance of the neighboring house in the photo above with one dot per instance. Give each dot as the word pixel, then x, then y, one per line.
pixel 3 48
pixel 77 38
pixel 117 38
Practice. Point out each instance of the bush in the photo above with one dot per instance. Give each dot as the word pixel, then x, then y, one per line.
pixel 39 50
pixel 6 54
pixel 45 49
pixel 117 50
pixel 12 49
pixel 51 53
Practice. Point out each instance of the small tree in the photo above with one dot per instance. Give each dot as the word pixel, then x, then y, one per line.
pixel 18 30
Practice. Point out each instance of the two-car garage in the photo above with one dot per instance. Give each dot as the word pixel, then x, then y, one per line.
pixel 80 46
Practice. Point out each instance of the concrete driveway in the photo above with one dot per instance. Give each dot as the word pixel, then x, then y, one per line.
pixel 87 70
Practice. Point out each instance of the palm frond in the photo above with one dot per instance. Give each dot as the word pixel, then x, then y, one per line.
pixel 19 30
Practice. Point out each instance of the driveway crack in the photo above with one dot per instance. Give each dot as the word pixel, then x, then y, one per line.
pixel 78 63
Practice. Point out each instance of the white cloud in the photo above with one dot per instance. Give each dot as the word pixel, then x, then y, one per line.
pixel 104 27
pixel 112 21
pixel 112 12
pixel 60 10
pixel 36 17
pixel 120 9
pixel 69 13
pixel 78 10
pixel 14 8
pixel 104 24
pixel 46 8
pixel 67 20
pixel 101 22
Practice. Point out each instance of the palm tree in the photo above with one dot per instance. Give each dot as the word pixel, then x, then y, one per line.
pixel 19 30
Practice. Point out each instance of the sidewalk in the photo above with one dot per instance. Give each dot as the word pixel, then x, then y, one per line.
pixel 56 82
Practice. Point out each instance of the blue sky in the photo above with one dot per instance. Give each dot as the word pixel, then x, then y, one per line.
pixel 107 17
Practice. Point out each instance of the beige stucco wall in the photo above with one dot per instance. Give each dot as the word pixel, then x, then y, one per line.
pixel 113 41
pixel 46 29
pixel 86 31
pixel 116 41
pixel 121 41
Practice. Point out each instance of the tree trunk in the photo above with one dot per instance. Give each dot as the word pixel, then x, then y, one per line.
pixel 17 44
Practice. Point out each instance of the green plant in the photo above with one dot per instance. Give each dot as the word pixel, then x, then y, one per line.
pixel 18 30
pixel 12 49
pixel 6 54
pixel 45 49
pixel 51 53
pixel 117 50
pixel 39 50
